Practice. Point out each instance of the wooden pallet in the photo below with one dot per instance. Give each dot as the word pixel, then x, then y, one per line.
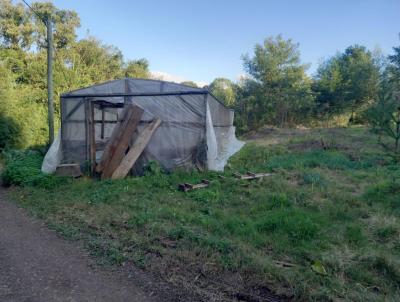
pixel 250 175
pixel 188 187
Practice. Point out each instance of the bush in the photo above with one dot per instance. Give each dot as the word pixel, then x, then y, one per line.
pixel 9 132
pixel 23 167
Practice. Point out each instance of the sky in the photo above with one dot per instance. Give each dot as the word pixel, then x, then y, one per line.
pixel 203 40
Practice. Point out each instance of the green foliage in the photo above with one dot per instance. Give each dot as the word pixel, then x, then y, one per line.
pixel 349 226
pixel 294 223
pixel 386 192
pixel 347 82
pixel 9 132
pixel 384 118
pixel 137 69
pixel 384 115
pixel 393 69
pixel 225 91
pixel 314 179
pixel 23 168
pixel 313 159
pixel 190 83
pixel 278 90
pixel 22 28
pixel 78 63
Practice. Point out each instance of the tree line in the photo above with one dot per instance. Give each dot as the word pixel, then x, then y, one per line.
pixel 353 85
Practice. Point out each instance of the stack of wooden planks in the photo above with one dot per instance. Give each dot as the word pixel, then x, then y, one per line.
pixel 118 157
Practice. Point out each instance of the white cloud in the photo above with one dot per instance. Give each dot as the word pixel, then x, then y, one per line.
pixel 165 76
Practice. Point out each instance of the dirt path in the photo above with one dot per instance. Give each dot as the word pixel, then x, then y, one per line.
pixel 37 265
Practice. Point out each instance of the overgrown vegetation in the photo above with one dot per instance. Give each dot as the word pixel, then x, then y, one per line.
pixel 78 63
pixel 23 168
pixel 275 90
pixel 324 227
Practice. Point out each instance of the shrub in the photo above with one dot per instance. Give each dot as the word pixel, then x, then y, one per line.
pixel 9 132
pixel 23 167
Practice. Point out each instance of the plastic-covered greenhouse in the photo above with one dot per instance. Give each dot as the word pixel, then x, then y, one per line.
pixel 196 131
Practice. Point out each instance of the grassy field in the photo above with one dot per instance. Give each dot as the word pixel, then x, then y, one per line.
pixel 325 226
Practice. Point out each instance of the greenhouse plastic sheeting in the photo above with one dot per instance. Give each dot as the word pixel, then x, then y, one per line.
pixel 53 156
pixel 196 130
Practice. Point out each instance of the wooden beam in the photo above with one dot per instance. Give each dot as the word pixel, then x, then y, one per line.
pixel 136 149
pixel 111 95
pixel 119 141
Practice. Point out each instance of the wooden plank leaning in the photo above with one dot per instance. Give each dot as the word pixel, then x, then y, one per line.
pixel 119 142
pixel 136 149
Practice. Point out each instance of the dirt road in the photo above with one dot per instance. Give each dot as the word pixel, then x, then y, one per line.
pixel 38 266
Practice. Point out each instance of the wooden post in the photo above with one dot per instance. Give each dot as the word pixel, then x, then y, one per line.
pixel 50 78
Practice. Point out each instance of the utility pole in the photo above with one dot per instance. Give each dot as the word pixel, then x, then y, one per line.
pixel 49 26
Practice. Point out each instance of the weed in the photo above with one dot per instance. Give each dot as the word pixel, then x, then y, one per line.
pixel 338 206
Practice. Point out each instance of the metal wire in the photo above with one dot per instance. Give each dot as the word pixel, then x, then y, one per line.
pixel 36 13
pixel 55 53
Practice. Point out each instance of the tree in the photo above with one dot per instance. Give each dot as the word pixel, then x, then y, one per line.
pixel 190 83
pixel 21 28
pixel 224 90
pixel 137 69
pixel 16 28
pixel 77 63
pixel 277 91
pixel 384 115
pixel 347 82
pixel 393 69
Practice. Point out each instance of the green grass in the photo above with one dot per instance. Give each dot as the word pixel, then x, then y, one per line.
pixel 337 207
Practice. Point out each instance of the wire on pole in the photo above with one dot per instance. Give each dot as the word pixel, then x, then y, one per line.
pixel 36 13
pixel 45 23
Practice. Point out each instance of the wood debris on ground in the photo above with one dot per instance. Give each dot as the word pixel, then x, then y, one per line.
pixel 188 187
pixel 250 175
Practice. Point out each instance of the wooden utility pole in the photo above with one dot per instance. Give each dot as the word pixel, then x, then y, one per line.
pixel 49 26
